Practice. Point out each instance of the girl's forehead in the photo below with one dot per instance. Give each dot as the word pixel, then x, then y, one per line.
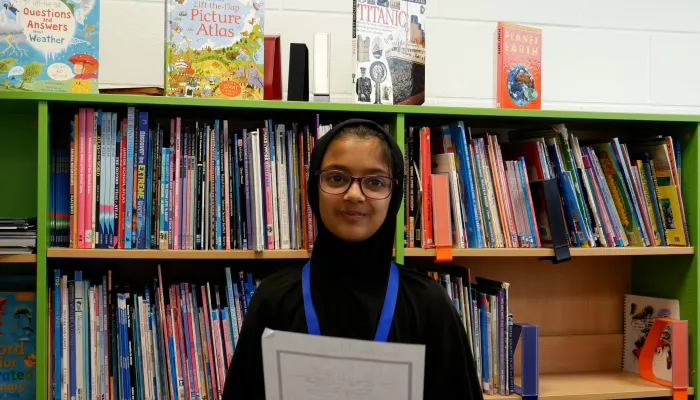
pixel 356 153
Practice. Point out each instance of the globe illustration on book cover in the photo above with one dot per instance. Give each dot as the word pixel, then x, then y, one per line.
pixel 521 85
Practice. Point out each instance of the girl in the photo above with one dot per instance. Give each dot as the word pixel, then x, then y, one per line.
pixel 355 190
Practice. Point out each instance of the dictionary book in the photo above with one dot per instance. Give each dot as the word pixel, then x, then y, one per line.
pixel 17 345
pixel 388 51
pixel 49 45
pixel 214 49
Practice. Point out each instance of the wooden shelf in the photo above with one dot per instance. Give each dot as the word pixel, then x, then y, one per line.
pixel 576 252
pixel 57 252
pixel 17 258
pixel 595 386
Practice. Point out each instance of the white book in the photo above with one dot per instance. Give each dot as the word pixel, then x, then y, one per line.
pixel 93 344
pixel 282 188
pixel 639 315
pixel 273 186
pixel 256 183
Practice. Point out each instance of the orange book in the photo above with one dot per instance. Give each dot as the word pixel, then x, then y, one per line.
pixel 519 67
pixel 442 223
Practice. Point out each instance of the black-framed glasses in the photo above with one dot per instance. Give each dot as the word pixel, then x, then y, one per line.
pixel 375 187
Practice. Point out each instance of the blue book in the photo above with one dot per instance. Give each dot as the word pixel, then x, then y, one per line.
pixel 162 238
pixel 466 176
pixel 129 206
pixel 18 340
pixel 485 365
pixel 141 165
pixel 147 208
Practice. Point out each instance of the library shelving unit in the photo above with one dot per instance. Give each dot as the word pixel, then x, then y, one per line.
pixel 577 304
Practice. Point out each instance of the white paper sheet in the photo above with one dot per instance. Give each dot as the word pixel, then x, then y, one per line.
pixel 304 367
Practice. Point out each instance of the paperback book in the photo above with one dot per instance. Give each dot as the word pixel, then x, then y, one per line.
pixel 214 49
pixel 49 45
pixel 17 346
pixel 388 51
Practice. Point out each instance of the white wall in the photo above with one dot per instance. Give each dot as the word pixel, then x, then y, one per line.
pixel 604 55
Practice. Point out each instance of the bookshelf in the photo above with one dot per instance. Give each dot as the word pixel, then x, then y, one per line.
pixel 577 304
pixel 17 258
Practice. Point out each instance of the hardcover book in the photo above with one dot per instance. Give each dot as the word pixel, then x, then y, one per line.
pixel 49 45
pixel 519 67
pixel 214 49
pixel 17 345
pixel 388 51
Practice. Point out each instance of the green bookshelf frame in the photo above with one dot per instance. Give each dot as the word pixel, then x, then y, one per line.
pixel 680 280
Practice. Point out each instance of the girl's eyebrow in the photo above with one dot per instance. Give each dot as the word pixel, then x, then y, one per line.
pixel 370 171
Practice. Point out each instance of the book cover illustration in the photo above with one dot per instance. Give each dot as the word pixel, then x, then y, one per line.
pixel 389 51
pixel 17 345
pixel 214 49
pixel 519 67
pixel 49 45
pixel 640 313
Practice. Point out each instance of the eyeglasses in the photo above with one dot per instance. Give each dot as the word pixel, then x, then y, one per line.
pixel 375 187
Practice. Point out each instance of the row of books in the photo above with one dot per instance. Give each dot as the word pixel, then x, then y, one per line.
pixel 130 182
pixel 117 342
pixel 483 309
pixel 468 190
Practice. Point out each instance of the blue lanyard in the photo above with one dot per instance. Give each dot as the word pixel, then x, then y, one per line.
pixel 392 292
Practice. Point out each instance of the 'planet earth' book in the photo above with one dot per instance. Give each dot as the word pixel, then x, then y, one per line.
pixel 519 67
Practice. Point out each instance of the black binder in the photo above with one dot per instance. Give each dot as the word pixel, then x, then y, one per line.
pixel 298 80
pixel 555 214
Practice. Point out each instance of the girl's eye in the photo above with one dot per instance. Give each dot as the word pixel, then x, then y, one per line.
pixel 336 178
pixel 376 182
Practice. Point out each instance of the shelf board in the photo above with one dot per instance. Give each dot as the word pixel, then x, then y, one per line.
pixel 576 252
pixel 57 252
pixel 17 258
pixel 125 99
pixel 595 386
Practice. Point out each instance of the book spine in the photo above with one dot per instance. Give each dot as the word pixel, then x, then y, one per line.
pixel 427 202
pixel 199 177
pixel 176 193
pixel 141 181
pixel 131 118
pixel 226 221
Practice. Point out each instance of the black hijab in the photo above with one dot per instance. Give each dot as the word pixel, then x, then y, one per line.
pixel 357 270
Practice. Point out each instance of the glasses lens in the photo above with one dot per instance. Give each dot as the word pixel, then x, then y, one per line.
pixel 376 187
pixel 334 182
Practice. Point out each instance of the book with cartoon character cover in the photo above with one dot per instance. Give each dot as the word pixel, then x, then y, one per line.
pixel 640 313
pixel 49 45
pixel 519 67
pixel 388 51
pixel 214 49
pixel 17 345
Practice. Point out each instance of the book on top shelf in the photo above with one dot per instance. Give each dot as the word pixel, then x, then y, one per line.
pixel 519 67
pixel 50 46
pixel 214 49
pixel 388 51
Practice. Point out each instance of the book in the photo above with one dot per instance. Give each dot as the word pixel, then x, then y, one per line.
pixel 519 67
pixel 388 51
pixel 18 345
pixel 639 315
pixel 214 49
pixel 50 46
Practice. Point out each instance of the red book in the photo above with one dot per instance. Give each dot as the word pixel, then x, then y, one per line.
pixel 519 67
pixel 427 196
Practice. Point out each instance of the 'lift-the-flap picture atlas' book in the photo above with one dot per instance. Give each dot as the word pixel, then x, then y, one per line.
pixel 49 45
pixel 17 346
pixel 214 49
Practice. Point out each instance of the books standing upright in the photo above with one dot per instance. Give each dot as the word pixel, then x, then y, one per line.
pixel 214 49
pixel 17 345
pixel 49 45
pixel 388 51
pixel 519 67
